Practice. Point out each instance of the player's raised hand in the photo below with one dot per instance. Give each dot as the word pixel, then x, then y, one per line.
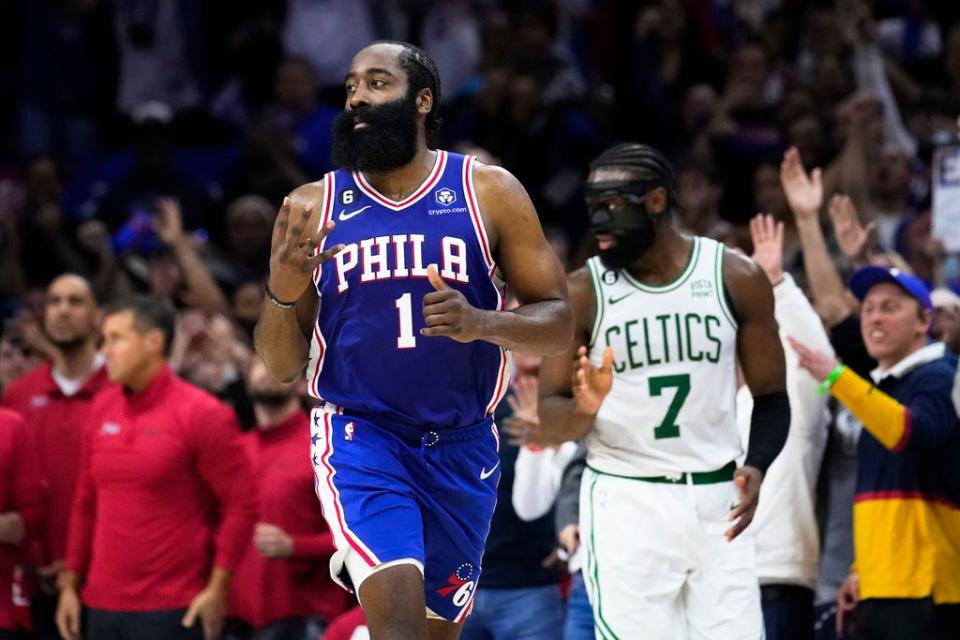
pixel 293 251
pixel 804 192
pixel 447 312
pixel 592 384
pixel 747 481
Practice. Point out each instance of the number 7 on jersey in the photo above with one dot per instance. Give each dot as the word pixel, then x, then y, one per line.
pixel 669 428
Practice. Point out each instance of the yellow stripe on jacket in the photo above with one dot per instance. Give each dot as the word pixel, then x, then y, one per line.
pixel 881 415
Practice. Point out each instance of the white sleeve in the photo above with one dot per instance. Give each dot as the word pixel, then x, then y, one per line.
pixel 536 480
pixel 797 319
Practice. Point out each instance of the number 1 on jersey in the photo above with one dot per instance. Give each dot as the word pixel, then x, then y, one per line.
pixel 406 339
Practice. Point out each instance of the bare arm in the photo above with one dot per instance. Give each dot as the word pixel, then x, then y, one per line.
pixel 110 280
pixel 848 172
pixel 203 288
pixel 759 349
pixel 543 323
pixel 761 358
pixel 280 337
pixel 562 416
pixel 805 196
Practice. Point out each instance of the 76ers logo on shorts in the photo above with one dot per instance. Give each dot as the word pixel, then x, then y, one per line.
pixel 445 196
pixel 460 585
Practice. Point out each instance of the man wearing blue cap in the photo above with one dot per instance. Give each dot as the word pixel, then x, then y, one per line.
pixel 905 582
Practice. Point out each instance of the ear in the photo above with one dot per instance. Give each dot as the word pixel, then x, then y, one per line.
pixel 424 101
pixel 154 341
pixel 926 320
pixel 657 201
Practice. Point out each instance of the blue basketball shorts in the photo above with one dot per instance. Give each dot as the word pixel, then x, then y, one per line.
pixel 394 496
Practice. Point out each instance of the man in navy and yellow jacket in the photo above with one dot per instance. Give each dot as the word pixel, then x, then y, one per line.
pixel 905 581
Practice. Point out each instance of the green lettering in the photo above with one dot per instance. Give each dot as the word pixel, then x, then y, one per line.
pixel 666 342
pixel 690 354
pixel 618 367
pixel 676 320
pixel 669 428
pixel 631 343
pixel 646 341
pixel 714 357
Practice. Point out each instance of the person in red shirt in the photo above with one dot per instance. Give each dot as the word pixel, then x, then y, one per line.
pixel 21 509
pixel 165 501
pixel 282 585
pixel 54 400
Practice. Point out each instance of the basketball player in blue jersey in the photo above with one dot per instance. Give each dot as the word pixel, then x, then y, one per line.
pixel 383 291
pixel 650 380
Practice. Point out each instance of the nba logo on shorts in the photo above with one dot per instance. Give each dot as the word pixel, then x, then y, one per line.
pixel 445 196
pixel 348 431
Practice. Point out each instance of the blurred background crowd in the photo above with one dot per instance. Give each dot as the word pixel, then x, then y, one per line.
pixel 146 145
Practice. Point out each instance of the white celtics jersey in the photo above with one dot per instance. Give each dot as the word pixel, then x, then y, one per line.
pixel 672 407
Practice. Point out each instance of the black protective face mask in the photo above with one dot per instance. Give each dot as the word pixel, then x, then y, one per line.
pixel 388 141
pixel 618 208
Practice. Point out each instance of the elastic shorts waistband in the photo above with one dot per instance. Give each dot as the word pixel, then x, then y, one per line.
pixel 724 474
pixel 428 435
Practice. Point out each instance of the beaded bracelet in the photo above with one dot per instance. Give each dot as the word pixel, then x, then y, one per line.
pixel 830 379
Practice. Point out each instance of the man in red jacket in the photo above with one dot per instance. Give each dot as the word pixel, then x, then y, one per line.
pixel 165 501
pixel 21 509
pixel 283 584
pixel 54 400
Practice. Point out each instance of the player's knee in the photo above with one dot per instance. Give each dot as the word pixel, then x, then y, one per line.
pixel 393 603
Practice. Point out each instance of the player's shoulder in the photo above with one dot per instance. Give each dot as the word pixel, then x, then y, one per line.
pixel 741 273
pixel 501 197
pixel 579 280
pixel 492 178
pixel 307 193
pixel 583 298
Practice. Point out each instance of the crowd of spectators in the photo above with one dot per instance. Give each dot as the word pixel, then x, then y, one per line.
pixel 146 146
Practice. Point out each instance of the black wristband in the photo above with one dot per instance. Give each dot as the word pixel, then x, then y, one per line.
pixel 769 426
pixel 275 300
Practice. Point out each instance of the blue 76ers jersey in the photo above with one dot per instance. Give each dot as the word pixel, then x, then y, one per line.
pixel 367 355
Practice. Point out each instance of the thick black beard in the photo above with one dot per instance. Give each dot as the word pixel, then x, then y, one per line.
pixel 273 399
pixel 388 141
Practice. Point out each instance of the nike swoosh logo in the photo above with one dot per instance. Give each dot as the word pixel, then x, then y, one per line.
pixel 346 216
pixel 484 474
pixel 616 300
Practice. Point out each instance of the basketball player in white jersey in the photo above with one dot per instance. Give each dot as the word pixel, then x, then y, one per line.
pixel 662 320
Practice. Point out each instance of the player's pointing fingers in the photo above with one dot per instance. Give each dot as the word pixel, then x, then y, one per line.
pixel 280 226
pixel 297 229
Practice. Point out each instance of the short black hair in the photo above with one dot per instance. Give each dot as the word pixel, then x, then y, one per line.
pixel 149 313
pixel 422 73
